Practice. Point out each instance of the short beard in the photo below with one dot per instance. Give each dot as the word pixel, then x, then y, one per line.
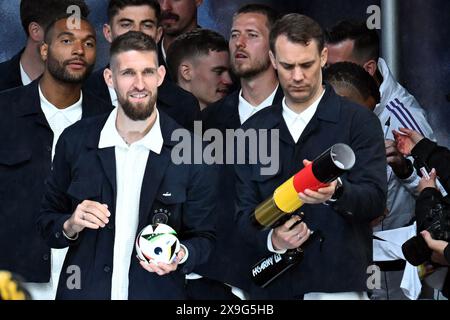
pixel 253 71
pixel 137 112
pixel 58 70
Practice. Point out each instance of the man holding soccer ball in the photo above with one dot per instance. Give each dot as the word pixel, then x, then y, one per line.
pixel 113 176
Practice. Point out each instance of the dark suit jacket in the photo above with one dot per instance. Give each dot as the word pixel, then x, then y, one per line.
pixel 25 162
pixel 10 73
pixel 179 104
pixel 340 265
pixel 230 261
pixel 83 171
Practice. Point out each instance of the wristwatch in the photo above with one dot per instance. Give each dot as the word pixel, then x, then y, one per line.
pixel 337 192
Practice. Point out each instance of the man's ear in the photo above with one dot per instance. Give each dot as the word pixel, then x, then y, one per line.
pixel 107 74
pixel 161 74
pixel 43 50
pixel 324 57
pixel 36 32
pixel 273 60
pixel 371 67
pixel 107 33
pixel 185 72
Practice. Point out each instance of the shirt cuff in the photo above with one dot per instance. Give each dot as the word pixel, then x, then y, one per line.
pixel 186 255
pixel 270 245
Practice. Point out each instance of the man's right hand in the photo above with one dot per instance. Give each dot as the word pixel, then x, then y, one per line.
pixel 283 237
pixel 406 140
pixel 88 214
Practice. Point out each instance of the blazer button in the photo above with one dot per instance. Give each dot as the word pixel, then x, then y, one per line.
pixel 49 148
pixel 45 257
pixel 109 226
pixel 57 235
pixel 107 269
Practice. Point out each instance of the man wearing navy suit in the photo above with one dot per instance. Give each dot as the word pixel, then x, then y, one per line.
pixel 310 119
pixel 27 65
pixel 113 175
pixel 143 16
pixel 31 119
pixel 230 262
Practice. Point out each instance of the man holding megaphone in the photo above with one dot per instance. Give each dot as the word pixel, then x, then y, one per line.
pixel 310 120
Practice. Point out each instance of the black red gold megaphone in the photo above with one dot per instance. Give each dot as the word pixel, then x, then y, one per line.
pixel 325 168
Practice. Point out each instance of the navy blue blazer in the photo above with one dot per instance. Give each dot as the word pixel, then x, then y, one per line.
pixel 179 104
pixel 25 162
pixel 10 73
pixel 339 265
pixel 231 260
pixel 83 171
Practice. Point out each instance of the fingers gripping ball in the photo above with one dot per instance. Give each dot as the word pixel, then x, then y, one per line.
pixel 157 243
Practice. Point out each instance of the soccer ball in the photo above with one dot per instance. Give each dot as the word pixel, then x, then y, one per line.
pixel 157 243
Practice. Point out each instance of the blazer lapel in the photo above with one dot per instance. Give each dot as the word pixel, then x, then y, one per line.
pixel 153 176
pixel 108 160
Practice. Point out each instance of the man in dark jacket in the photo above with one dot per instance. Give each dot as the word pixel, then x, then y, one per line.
pixel 310 119
pixel 31 119
pixel 230 262
pixel 113 175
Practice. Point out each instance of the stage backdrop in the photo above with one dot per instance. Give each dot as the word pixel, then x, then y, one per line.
pixel 424 66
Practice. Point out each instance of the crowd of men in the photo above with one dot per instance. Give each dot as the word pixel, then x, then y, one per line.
pixel 86 156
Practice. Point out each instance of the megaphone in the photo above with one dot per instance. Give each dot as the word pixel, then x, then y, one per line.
pixel 325 168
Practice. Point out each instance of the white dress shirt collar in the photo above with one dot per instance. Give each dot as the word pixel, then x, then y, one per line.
pixel 246 110
pixel 110 137
pixel 297 122
pixel 71 113
pixel 113 96
pixel 26 80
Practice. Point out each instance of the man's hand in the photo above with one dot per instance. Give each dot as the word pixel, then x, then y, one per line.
pixel 283 237
pixel 406 140
pixel 438 247
pixel 427 183
pixel 88 214
pixel 396 160
pixel 319 196
pixel 164 268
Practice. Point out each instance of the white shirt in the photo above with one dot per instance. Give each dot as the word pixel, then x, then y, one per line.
pixel 26 80
pixel 113 96
pixel 58 119
pixel 163 51
pixel 246 110
pixel 131 162
pixel 296 123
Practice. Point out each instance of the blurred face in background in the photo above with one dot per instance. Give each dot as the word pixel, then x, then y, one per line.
pixel 133 18
pixel 178 16
pixel 249 45
pixel 207 77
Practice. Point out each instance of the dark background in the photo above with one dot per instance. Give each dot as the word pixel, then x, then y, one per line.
pixel 424 40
